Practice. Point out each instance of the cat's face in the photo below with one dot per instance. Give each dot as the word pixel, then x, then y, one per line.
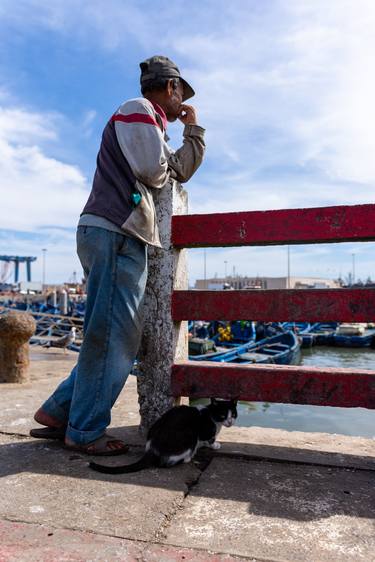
pixel 224 411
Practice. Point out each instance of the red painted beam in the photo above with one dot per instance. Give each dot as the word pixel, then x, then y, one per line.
pixel 272 383
pixel 307 305
pixel 287 226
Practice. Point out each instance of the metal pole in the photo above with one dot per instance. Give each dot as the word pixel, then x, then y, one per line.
pixel 205 268
pixel 16 270
pixel 225 264
pixel 28 269
pixel 353 269
pixel 288 279
pixel 44 250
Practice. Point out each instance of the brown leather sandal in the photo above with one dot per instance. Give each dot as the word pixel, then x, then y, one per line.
pixel 99 447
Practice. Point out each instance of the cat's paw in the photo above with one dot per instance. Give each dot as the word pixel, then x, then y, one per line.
pixel 215 445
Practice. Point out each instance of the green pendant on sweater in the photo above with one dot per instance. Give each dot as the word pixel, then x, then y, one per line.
pixel 136 198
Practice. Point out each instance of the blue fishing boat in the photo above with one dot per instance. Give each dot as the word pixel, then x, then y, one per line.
pixel 323 332
pixel 220 334
pixel 354 335
pixel 235 333
pixel 282 349
pixel 302 329
pixel 200 329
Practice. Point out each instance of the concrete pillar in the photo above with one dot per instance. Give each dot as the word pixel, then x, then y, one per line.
pixel 163 340
pixel 16 328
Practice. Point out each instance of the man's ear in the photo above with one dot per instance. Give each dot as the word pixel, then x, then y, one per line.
pixel 213 401
pixel 170 87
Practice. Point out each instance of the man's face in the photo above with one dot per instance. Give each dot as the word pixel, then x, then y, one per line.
pixel 173 101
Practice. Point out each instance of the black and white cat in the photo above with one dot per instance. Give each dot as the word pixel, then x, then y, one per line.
pixel 177 435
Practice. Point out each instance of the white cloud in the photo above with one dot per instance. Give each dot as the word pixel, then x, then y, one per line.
pixel 36 190
pixel 285 89
pixel 87 123
pixel 287 98
pixel 282 82
pixel 20 126
pixel 298 93
pixel 40 196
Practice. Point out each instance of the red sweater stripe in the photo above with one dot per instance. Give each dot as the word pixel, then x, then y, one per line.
pixel 135 118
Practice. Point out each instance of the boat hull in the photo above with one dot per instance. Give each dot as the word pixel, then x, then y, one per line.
pixel 365 340
pixel 283 349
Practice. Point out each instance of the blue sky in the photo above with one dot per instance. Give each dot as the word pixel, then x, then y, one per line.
pixel 284 88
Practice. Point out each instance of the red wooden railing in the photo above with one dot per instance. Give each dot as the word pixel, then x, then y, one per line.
pixel 291 384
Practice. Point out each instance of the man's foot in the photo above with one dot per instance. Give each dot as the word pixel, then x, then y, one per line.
pixel 54 429
pixel 49 433
pixel 105 446
pixel 45 419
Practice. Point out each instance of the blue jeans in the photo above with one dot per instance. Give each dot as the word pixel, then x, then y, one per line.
pixel 115 266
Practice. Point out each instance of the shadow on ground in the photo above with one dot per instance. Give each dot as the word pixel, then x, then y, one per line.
pixel 269 485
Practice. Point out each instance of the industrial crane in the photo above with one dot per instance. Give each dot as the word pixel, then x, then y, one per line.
pixel 17 260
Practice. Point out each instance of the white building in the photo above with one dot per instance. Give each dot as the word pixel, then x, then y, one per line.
pixel 240 282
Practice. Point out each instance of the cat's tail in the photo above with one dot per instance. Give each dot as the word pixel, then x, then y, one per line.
pixel 147 461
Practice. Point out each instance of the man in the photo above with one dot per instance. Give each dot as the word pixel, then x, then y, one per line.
pixel 114 229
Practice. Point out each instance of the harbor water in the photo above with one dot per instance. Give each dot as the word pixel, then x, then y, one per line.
pixel 325 419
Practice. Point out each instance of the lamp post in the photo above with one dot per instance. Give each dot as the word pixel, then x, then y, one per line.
pixel 205 268
pixel 44 250
pixel 353 269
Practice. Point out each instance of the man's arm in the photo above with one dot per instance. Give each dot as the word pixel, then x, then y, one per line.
pixel 187 159
pixel 142 143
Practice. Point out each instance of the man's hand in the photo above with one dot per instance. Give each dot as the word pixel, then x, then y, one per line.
pixel 187 115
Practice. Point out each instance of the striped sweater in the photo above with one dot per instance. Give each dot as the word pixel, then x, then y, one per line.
pixel 135 158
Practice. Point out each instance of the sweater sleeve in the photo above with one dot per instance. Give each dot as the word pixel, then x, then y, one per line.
pixel 142 142
pixel 187 159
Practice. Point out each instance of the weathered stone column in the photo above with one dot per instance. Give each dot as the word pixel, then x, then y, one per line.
pixel 163 340
pixel 16 328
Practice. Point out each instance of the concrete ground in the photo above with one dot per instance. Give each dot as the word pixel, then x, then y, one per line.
pixel 267 495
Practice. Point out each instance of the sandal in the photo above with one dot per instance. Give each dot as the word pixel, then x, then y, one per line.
pixel 99 447
pixel 49 433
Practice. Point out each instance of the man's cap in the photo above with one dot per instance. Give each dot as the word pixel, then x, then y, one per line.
pixel 162 67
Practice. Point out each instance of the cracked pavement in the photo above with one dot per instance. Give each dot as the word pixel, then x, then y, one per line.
pixel 269 495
